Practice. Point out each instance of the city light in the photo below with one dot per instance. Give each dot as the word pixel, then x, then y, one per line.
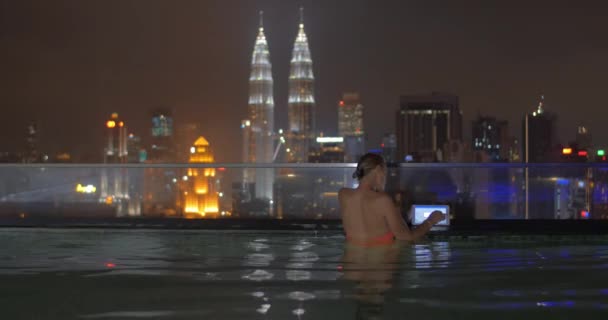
pixel 85 189
pixel 110 124
pixel 582 153
pixel 601 153
pixel 585 214
pixel 567 151
pixel 121 124
pixel 330 139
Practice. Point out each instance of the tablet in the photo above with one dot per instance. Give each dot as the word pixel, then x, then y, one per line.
pixel 421 212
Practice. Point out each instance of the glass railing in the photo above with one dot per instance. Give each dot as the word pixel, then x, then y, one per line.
pixel 296 191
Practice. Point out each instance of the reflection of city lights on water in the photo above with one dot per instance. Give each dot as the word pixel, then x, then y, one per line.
pixel 259 259
pixel 298 312
pixel 258 275
pixel 301 296
pixel 263 308
pixel 298 275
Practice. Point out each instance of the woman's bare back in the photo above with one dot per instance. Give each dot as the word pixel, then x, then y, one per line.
pixel 362 215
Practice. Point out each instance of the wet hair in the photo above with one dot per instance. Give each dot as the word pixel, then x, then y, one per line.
pixel 367 163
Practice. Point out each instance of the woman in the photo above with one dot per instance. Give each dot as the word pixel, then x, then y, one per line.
pixel 369 215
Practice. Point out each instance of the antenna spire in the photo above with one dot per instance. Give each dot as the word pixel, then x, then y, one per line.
pixel 261 19
pixel 301 16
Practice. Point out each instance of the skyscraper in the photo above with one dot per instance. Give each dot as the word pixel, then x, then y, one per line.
pixel 583 138
pixel 350 126
pixel 258 129
pixel 159 191
pixel 491 137
pixel 301 103
pixel 162 147
pixel 539 137
pixel 114 181
pixel 31 153
pixel 425 123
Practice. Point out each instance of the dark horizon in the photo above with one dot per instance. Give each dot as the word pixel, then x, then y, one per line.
pixel 69 64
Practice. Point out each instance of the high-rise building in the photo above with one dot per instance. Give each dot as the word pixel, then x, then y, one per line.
pixel 389 147
pixel 31 153
pixel 135 151
pixel 301 103
pixel 162 136
pixel 583 138
pixel 258 129
pixel 539 135
pixel 425 123
pixel 116 140
pixel 329 150
pixel 115 180
pixel 350 115
pixel 350 126
pixel 200 194
pixel 491 136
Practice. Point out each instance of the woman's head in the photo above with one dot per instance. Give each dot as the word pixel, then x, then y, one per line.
pixel 371 168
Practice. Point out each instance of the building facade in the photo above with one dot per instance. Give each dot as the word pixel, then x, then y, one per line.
pixel 539 135
pixel 114 180
pixel 491 136
pixel 350 126
pixel 425 123
pixel 200 186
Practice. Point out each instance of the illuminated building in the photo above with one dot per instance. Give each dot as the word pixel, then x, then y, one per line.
pixel 539 135
pixel 583 138
pixel 491 137
pixel 159 191
pixel 200 194
pixel 301 103
pixel 330 150
pixel 389 148
pixel 258 129
pixel 162 135
pixel 425 123
pixel 31 144
pixel 114 183
pixel 135 151
pixel 350 126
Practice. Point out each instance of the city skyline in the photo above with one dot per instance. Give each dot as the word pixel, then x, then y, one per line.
pixel 67 71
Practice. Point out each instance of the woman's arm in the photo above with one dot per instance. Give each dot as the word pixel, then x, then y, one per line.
pixel 398 226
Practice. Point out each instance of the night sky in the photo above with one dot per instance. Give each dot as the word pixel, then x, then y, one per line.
pixel 69 64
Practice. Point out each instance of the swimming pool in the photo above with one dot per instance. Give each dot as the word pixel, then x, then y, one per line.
pixel 160 274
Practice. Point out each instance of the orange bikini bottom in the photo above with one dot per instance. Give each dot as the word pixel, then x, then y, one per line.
pixel 388 238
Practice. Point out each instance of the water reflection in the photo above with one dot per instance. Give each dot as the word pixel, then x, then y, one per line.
pixel 433 255
pixel 372 270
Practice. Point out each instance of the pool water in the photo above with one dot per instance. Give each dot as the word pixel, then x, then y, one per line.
pixel 149 274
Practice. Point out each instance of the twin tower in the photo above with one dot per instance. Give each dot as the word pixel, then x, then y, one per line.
pixel 260 142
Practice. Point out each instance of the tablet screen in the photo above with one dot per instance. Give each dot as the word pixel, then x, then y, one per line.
pixel 422 212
